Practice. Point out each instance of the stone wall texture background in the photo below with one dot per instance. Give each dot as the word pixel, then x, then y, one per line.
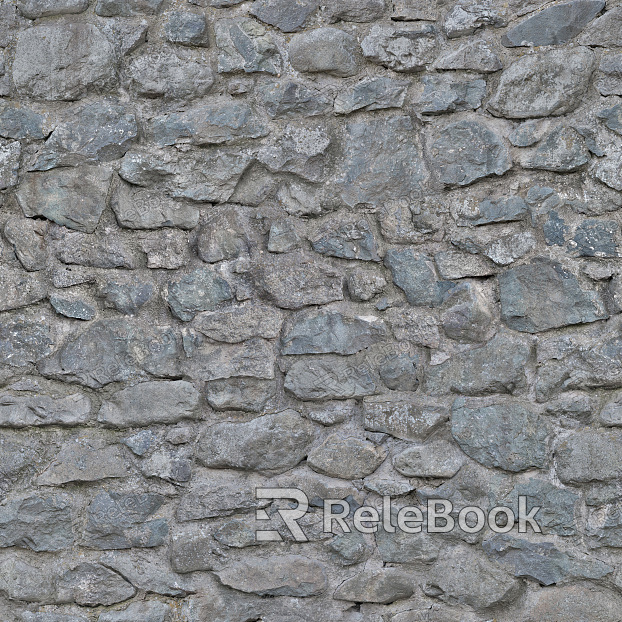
pixel 359 247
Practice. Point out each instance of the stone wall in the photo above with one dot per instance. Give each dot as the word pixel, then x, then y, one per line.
pixel 360 248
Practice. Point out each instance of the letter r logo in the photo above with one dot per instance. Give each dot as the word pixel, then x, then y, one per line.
pixel 289 516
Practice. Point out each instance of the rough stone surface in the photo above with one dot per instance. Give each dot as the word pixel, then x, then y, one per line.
pixel 327 50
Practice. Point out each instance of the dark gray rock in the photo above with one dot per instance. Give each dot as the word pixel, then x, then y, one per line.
pixel 472 56
pixel 63 62
pixel 405 50
pixel 349 548
pixel 98 251
pixel 609 75
pixel 372 94
pixel 415 275
pixel 191 551
pixel 470 315
pixel 126 34
pixel 25 339
pixel 542 295
pixel 356 10
pixel 470 15
pixel 186 28
pixel 20 123
pixel 285 575
pixel 23 410
pixel 345 236
pixel 200 290
pixel 270 444
pixel 554 25
pixel 91 585
pixel 497 367
pixel 604 31
pixel 346 458
pixel 141 442
pixel 168 249
pixel 327 50
pixel 376 586
pixel 72 197
pixel 383 161
pixel 34 9
pixel 127 298
pixel 505 209
pixel 127 8
pixel 150 403
pixel 468 151
pixel 399 371
pixel 443 93
pixel 508 435
pixel 21 288
pixel 245 394
pixel 588 456
pixel 563 151
pixel 246 46
pixel 547 83
pixel 76 309
pixel 227 234
pixel 604 527
pixel 596 238
pixel 36 523
pixel 283 237
pixel 286 15
pixel 434 459
pixel 289 99
pixel 10 153
pixel 121 521
pixel 555 230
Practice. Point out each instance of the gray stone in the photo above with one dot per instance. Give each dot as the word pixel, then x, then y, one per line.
pixel 143 208
pixel 604 527
pixel 509 248
pixel 467 151
pixel 121 521
pixel 283 237
pixel 285 575
pixel 126 34
pixel 415 275
pixel 98 132
pixel 20 288
pixel 22 410
pixel 443 93
pixel 372 94
pixel 245 46
pixel 434 459
pixel 458 265
pixel 363 285
pixel 604 31
pixel 19 123
pixel 270 444
pixel 345 236
pixel 589 455
pixel 191 551
pixel 327 50
pixel 329 378
pixel 295 280
pixel 383 161
pixel 62 62
pixel 141 442
pixel 413 10
pixel 24 339
pixel 401 49
pixel 555 230
pixel 563 151
pixel 228 233
pixel 346 458
pixel 286 15
pixel 200 290
pixel 399 371
pixel 144 611
pixel 471 56
pixel 170 465
pixel 168 249
pixel 542 561
pixel 289 99
pixel 356 10
pixel 211 123
pixel 402 547
pixel 99 251
pixel 414 325
pixel 496 367
pixel 542 295
pixel 349 548
pixel 331 413
pixel 525 134
pixel 34 9
pixel 186 28
pixel 547 83
pixel 596 238
pixel 471 15
pixel 505 434
pixel 24 582
pixel 85 460
pixel 161 72
pixel 403 416
pixel 10 153
pixel 611 414
pixel 28 616
pixel 76 309
pixel 376 586
pixel 554 25
pixel 150 403
pixel 240 322
pixel 72 197
pixel 609 75
pixel 236 534
pixel 325 332
pixel 606 170
pixel 36 523
pixel 91 585
pixel 127 8
pixel 126 298
pixel 504 209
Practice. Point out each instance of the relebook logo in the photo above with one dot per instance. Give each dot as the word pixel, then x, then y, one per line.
pixel 437 516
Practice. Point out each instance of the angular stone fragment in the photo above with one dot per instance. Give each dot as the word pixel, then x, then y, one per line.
pixel 84 460
pixel 458 265
pixel 200 290
pixel 345 236
pixel 9 163
pixel 73 197
pixel 507 435
pixel 160 72
pixel 363 285
pixel 376 586
pixel 561 151
pixel 597 238
pixel 472 56
pixel 19 123
pixel 270 444
pixel 403 416
pixel 121 521
pixel 504 209
pixel 168 249
pixel 228 233
pixel 286 15
pixel 442 93
pixel 468 16
pixel 589 455
pixel 286 575
pixel 542 295
pixel 609 75
pixel 73 308
pixel 329 378
pixel 187 28
pixel 554 25
pixel 21 410
pixel 150 403
pixel 434 459
pixel 372 94
pixel 289 99
pixel 509 248
pixel 356 10
pixel 126 34
pixel 20 288
pixel 606 31
pixel 401 547
pixel 127 8
pixel 245 46
pixel 467 151
pixel 143 611
pixel 94 584
pixel 327 50
pixel 96 251
pixel 126 298
pixel 24 339
pixel 169 465
pixel 63 62
pixel 401 49
pixel 607 170
pixel 547 83
pixel 497 367
pixel 383 161
pixel 34 9
pixel 193 550
pixel 245 394
pixel 346 458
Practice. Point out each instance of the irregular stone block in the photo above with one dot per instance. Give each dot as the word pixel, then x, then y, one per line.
pixel 563 151
pixel 34 9
pixel 509 248
pixel 186 28
pixel 376 586
pixel 434 459
pixel 372 94
pixel 20 288
pixel 99 251
pixel 127 8
pixel 473 56
pixel 18 411
pixel 168 249
pixel 91 585
pixel 597 238
pixel 76 309
pixel 471 15
pixel 497 210
pixel 356 10
pixel 10 153
pixel 588 456
pixel 289 99
pixel 246 394
pixel 348 237
pixel 18 123
pixel 144 611
pixel 24 339
pixel 286 15
pixel 126 298
pixel 346 458
pixel 606 31
pixel 442 93
pixel 609 75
